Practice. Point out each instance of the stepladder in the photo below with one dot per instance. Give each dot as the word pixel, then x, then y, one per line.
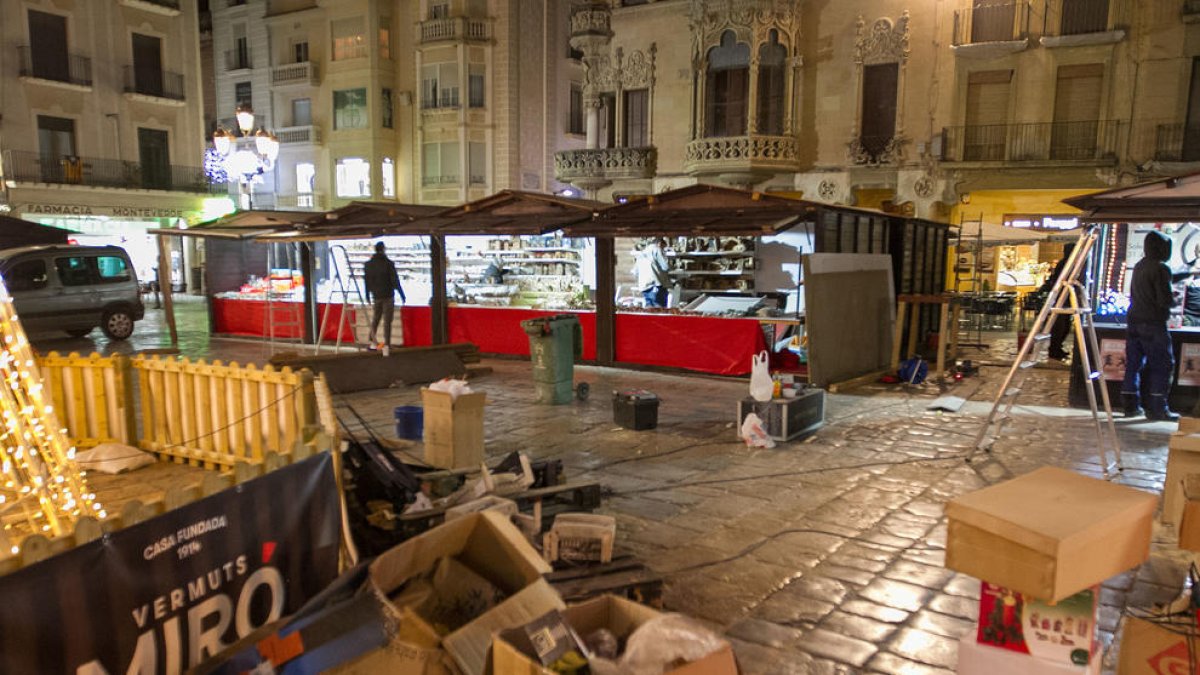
pixel 1067 300
pixel 346 292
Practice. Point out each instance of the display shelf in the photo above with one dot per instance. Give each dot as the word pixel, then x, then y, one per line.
pixel 713 273
pixel 712 254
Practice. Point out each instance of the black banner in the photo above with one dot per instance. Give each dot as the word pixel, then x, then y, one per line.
pixel 163 595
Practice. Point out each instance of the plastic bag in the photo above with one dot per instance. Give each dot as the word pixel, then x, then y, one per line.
pixel 761 386
pixel 660 643
pixel 112 458
pixel 451 386
pixel 755 433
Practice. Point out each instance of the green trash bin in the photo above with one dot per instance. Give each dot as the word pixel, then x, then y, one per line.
pixel 554 344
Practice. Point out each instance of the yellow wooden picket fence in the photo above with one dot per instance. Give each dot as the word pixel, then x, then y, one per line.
pixel 207 414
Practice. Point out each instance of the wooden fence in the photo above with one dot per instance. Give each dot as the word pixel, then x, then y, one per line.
pixel 207 414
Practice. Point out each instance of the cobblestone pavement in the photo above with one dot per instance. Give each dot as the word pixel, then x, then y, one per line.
pixel 819 556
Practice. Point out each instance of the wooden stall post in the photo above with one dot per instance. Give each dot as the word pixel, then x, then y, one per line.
pixel 164 285
pixel 437 301
pixel 606 301
pixel 943 320
pixel 310 293
pixel 898 338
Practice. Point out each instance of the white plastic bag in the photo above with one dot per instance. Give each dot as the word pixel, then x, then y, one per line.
pixel 451 386
pixel 659 643
pixel 761 386
pixel 112 458
pixel 755 434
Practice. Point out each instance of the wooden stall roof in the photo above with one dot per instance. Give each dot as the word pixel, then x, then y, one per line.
pixel 358 220
pixel 243 225
pixel 509 212
pixel 1168 200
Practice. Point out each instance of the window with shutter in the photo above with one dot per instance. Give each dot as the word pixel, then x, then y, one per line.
pixel 987 115
pixel 1076 111
pixel 637 110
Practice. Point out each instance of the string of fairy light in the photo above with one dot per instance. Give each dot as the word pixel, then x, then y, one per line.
pixel 42 491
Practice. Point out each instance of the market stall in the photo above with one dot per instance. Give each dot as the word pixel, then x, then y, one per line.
pixel 1125 215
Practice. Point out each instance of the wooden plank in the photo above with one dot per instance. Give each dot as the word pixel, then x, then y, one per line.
pixel 944 317
pixel 147 395
pixel 914 324
pixel 203 418
pixel 253 414
pixel 187 416
pixel 898 338
pixel 237 407
pixel 78 402
pixel 218 402
pixel 287 409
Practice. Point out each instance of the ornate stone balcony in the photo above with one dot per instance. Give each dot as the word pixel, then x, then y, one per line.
pixel 455 29
pixel 875 150
pixel 303 73
pixel 597 167
pixel 742 159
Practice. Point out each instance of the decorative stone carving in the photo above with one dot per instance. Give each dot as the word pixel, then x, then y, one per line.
pixel 885 42
pixel 827 190
pixel 750 20
pixel 746 153
pixel 605 73
pixel 863 154
pixel 591 20
pixel 606 163
pixel 923 187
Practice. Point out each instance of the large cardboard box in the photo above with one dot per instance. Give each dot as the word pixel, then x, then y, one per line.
pixel 1183 457
pixel 1148 648
pixel 493 548
pixel 511 647
pixel 980 659
pixel 1050 533
pixel 1189 521
pixel 453 429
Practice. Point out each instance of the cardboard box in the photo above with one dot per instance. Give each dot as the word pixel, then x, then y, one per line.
pixel 491 546
pixel 1189 521
pixel 1148 648
pixel 980 659
pixel 1050 533
pixel 1064 632
pixel 453 429
pixel 1183 457
pixel 511 648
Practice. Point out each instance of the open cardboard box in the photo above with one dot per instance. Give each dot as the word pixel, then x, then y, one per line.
pixel 1050 533
pixel 495 549
pixel 511 649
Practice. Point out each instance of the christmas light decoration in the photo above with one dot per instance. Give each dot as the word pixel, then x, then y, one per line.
pixel 42 490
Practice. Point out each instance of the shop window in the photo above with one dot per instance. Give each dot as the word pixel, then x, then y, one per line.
pixel 353 177
pixel 772 61
pixel 385 39
pixel 440 164
pixel 386 112
pixel 439 85
pixel 300 52
pixel 475 94
pixel 350 109
pixel 111 269
pixel 637 118
pixel 389 177
pixel 575 123
pixel 477 161
pixel 243 95
pixel 726 87
pixel 349 39
pixel 73 271
pixel 27 275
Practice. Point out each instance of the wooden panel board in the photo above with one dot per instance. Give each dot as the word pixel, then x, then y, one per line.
pixel 850 314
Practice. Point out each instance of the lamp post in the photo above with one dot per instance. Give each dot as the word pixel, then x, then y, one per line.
pixel 250 160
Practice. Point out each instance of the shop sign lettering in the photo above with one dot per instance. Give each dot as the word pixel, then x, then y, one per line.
pixel 60 209
pixel 112 211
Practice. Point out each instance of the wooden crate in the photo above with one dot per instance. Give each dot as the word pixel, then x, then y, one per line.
pixel 580 537
pixel 1183 457
pixel 453 429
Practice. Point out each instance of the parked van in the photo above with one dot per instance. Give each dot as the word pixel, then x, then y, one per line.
pixel 73 289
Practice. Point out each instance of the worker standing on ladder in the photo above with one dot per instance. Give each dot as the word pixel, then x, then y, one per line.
pixel 382 282
pixel 1148 347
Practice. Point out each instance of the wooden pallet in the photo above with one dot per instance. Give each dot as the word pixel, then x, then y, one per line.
pixel 625 576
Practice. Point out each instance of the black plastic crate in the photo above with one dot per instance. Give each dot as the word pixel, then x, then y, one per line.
pixel 637 410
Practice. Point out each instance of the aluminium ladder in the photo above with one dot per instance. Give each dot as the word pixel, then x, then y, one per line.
pixel 1068 297
pixel 344 285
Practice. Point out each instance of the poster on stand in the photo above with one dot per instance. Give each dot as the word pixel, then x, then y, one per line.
pixel 165 594
pixel 1189 364
pixel 1112 359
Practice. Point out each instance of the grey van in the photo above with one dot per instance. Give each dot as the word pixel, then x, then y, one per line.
pixel 73 289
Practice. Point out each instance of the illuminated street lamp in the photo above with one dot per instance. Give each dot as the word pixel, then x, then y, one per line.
pixel 248 161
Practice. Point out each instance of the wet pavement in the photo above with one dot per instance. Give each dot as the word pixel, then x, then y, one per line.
pixel 818 556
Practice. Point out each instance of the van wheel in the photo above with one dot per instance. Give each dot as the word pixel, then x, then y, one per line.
pixel 117 324
pixel 79 332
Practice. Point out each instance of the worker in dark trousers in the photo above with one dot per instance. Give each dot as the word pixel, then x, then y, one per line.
pixel 382 283
pixel 1148 349
pixel 1060 324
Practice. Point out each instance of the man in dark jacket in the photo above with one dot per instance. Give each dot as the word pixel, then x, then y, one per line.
pixel 1147 340
pixel 1060 324
pixel 382 282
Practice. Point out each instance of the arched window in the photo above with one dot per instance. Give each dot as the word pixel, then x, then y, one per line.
pixel 726 87
pixel 772 57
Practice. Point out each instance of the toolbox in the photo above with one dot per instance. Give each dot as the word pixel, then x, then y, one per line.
pixel 635 409
pixel 787 418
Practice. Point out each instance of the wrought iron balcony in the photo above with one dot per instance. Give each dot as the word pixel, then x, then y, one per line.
pixel 304 134
pixel 156 83
pixel 54 66
pixel 31 167
pixel 1177 142
pixel 455 28
pixel 994 22
pixel 742 155
pixel 1080 17
pixel 1097 140
pixel 605 164
pixel 875 150
pixel 295 73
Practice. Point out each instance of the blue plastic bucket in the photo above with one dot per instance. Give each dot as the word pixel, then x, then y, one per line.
pixel 410 422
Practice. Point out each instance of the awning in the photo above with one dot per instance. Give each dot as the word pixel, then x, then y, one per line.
pixel 243 225
pixel 510 212
pixel 1170 200
pixel 358 220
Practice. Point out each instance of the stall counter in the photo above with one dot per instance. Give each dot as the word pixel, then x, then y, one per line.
pixel 1185 381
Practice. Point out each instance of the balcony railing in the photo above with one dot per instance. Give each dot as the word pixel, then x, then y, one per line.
pixel 56 66
pixel 1177 142
pixel 605 163
pixel 32 167
pixel 308 200
pixel 1080 17
pixel 440 181
pixel 347 50
pixel 998 22
pixel 1037 142
pixel 159 83
pixel 455 28
pixel 447 98
pixel 304 134
pixel 731 154
pixel 237 59
pixel 294 73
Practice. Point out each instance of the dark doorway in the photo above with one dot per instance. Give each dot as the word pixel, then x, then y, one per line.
pixel 155 158
pixel 48 44
pixel 1191 125
pixel 147 65
pixel 879 107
